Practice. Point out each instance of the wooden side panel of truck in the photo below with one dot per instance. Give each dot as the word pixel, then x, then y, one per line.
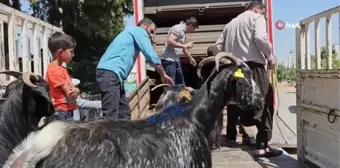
pixel 318 96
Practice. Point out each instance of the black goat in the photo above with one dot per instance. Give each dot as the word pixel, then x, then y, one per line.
pixel 172 94
pixel 25 101
pixel 174 138
pixel 204 69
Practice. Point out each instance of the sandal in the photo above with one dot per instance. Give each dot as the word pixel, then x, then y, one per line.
pixel 230 141
pixel 248 140
pixel 271 153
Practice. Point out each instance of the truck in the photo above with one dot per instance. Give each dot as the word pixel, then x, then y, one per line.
pixel 212 15
pixel 317 97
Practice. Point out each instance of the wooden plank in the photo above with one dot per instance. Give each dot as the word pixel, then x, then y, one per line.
pixel 134 113
pixel 145 111
pixel 2 51
pixel 323 14
pixel 322 91
pixel 209 37
pixel 317 43
pixel 139 95
pixel 144 102
pixel 36 49
pixel 300 48
pixel 154 10
pixel 45 50
pixel 11 44
pixel 143 96
pixel 198 49
pixel 202 28
pixel 133 102
pixel 329 41
pixel 318 130
pixel 25 47
pixel 193 35
pixel 307 47
pixel 29 54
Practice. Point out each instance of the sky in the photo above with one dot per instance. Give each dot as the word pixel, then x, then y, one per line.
pixel 284 40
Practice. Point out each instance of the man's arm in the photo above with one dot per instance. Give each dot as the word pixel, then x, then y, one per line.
pixel 186 53
pixel 220 43
pixel 261 36
pixel 144 44
pixel 173 34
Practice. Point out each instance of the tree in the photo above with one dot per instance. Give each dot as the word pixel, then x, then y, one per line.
pixel 324 60
pixel 285 74
pixel 93 24
pixel 12 3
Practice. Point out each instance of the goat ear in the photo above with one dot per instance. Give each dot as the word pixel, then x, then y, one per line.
pixel 42 89
pixel 245 81
pixel 185 95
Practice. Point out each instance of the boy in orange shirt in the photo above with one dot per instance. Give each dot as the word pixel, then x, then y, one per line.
pixel 62 90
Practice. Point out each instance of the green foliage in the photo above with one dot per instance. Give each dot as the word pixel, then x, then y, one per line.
pixel 324 60
pixel 285 74
pixel 15 3
pixel 93 24
pixel 289 74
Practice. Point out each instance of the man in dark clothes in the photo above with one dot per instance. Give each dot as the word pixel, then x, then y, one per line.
pixel 246 38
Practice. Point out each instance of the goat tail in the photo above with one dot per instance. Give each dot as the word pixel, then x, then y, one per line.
pixel 160 85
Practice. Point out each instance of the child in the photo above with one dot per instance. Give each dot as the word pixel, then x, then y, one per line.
pixel 62 90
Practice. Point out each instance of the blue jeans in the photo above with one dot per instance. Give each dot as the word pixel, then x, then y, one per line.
pixel 174 70
pixel 85 104
pixel 81 104
pixel 65 115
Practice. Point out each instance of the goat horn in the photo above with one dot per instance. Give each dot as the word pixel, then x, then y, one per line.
pixel 202 63
pixel 205 61
pixel 27 76
pixel 229 56
pixel 160 85
pixel 16 74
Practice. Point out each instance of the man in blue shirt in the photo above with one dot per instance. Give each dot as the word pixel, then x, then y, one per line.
pixel 116 64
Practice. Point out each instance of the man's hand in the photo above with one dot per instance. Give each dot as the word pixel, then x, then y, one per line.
pixel 166 79
pixel 192 61
pixel 189 44
pixel 271 62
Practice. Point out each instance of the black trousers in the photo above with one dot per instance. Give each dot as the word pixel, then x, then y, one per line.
pixel 115 105
pixel 262 119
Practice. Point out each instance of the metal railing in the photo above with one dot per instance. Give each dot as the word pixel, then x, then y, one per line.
pixel 303 56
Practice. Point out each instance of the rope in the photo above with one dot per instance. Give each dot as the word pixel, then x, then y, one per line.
pixel 274 82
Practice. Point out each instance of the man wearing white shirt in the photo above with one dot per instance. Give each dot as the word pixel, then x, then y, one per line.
pixel 246 38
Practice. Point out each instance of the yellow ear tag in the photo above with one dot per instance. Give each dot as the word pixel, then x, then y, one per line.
pixel 238 74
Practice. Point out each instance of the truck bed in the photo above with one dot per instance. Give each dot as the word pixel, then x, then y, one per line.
pixel 204 37
pixel 211 15
pixel 177 3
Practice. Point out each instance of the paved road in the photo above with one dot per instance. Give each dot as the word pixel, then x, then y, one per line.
pixel 285 120
pixel 242 157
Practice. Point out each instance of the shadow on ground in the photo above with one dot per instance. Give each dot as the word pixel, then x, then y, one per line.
pixel 292 109
pixel 241 156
